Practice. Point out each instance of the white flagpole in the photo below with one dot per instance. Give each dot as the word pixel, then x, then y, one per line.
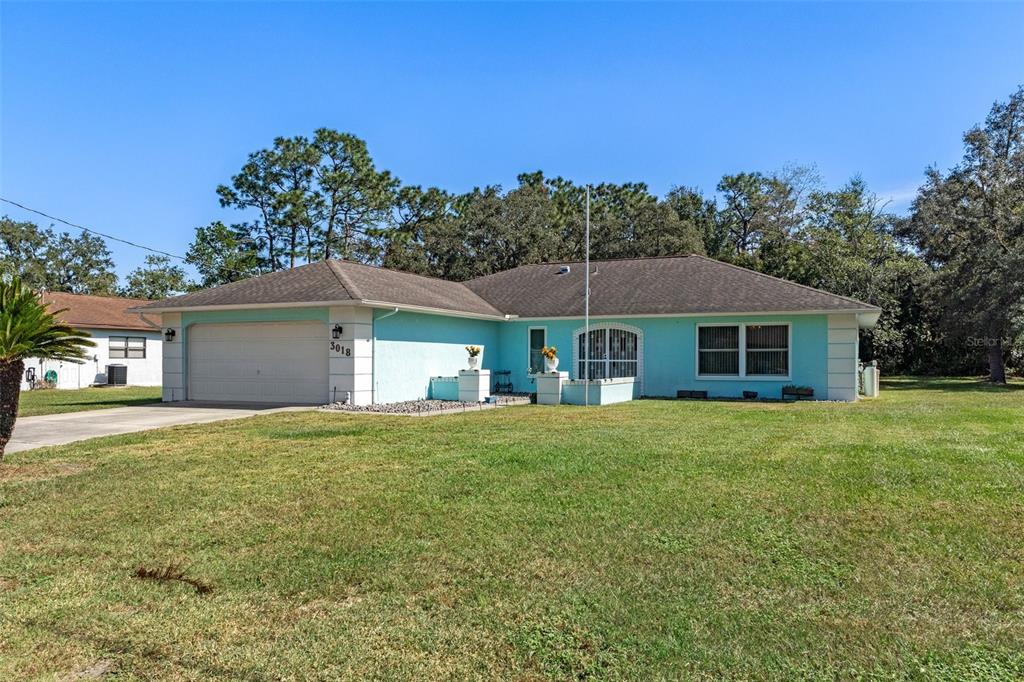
pixel 586 308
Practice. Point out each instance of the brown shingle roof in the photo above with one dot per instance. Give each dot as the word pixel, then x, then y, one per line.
pixel 651 286
pixel 99 312
pixel 641 286
pixel 331 281
pixel 311 283
pixel 368 283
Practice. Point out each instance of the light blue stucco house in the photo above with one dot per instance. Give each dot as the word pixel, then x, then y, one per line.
pixel 337 330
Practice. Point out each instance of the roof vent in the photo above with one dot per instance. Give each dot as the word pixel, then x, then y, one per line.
pixel 564 270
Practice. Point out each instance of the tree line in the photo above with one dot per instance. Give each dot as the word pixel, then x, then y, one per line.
pixel 46 260
pixel 949 276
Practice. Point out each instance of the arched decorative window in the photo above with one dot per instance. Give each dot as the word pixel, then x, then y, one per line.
pixel 616 350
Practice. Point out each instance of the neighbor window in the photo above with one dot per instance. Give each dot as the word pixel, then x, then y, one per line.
pixel 767 350
pixel 719 350
pixel 127 347
pixel 743 350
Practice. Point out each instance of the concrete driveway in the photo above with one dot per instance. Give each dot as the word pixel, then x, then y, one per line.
pixel 58 429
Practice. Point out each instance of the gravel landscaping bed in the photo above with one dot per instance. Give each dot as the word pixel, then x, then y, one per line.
pixel 421 407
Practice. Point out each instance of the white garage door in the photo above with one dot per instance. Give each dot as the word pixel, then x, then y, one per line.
pixel 266 362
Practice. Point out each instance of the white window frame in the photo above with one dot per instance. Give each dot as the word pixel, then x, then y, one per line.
pixel 529 333
pixel 126 347
pixel 743 376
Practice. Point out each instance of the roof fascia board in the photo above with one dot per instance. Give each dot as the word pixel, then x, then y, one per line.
pixel 320 304
pixel 429 310
pixel 484 316
pixel 832 311
pixel 114 327
pixel 241 306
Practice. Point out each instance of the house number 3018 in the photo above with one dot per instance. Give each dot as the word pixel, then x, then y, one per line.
pixel 343 350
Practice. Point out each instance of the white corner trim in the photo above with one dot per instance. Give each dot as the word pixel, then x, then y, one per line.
pixel 842 351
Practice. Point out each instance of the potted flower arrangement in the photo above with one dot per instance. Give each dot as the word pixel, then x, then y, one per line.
pixel 474 356
pixel 550 354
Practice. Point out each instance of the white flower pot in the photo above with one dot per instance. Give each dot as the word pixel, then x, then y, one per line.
pixel 551 365
pixel 474 362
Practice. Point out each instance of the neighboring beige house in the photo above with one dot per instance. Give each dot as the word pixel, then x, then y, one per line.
pixel 121 338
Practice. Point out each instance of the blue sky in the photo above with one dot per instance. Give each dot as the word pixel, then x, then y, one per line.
pixel 125 117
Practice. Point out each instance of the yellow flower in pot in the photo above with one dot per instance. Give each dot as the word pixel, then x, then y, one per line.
pixel 475 353
pixel 550 354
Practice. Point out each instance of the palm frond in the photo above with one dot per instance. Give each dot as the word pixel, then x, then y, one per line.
pixel 29 330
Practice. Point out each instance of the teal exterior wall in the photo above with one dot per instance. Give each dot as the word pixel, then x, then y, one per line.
pixel 669 353
pixel 409 348
pixel 808 356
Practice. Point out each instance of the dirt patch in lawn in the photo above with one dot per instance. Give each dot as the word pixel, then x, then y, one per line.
pixel 40 471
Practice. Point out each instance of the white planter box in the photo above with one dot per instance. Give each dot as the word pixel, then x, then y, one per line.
pixel 598 391
pixel 474 385
pixel 549 387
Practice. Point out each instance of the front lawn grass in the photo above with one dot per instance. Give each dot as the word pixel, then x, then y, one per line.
pixel 55 401
pixel 648 540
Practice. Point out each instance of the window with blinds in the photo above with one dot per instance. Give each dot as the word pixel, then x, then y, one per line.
pixel 743 350
pixel 718 350
pixel 767 350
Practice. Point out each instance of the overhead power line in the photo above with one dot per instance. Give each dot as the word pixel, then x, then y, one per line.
pixel 92 231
